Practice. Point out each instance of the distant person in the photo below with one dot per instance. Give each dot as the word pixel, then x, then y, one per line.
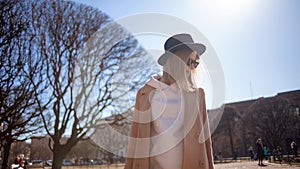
pixel 21 162
pixel 260 152
pixel 251 153
pixel 274 153
pixel 16 160
pixel 266 152
pixel 294 148
pixel 220 157
pixel 279 153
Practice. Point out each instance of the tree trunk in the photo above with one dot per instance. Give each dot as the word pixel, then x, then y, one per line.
pixel 6 154
pixel 58 156
pixel 231 141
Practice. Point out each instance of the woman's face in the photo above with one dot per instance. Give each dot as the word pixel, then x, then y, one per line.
pixel 192 60
pixel 182 68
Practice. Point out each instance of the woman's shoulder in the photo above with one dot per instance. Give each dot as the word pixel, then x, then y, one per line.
pixel 145 90
pixel 201 92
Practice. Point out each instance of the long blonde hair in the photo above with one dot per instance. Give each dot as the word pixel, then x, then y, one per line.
pixel 176 70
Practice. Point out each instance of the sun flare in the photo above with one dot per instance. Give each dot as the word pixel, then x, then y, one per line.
pixel 229 10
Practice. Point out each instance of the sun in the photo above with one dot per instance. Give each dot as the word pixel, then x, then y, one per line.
pixel 229 10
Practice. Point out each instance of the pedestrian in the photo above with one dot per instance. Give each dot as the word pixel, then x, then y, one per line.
pixel 266 152
pixel 16 160
pixel 170 126
pixel 251 153
pixel 274 152
pixel 220 157
pixel 294 148
pixel 279 153
pixel 260 152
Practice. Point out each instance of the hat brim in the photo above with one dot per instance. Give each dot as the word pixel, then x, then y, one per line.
pixel 199 48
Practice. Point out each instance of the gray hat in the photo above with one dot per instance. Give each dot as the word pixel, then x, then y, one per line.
pixel 178 42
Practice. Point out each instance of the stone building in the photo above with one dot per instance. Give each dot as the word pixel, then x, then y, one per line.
pixel 233 136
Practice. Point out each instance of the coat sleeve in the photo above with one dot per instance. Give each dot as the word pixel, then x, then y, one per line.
pixel 138 151
pixel 208 142
pixel 133 134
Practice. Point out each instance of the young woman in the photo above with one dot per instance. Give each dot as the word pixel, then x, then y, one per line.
pixel 170 127
pixel 260 152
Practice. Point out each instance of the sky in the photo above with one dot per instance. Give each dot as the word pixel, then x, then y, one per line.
pixel 257 41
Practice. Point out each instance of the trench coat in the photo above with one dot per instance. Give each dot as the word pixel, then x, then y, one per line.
pixel 196 154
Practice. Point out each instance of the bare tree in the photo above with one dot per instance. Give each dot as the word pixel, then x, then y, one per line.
pixel 228 131
pixel 39 149
pixel 85 150
pixel 273 119
pixel 18 77
pixel 91 67
pixel 19 148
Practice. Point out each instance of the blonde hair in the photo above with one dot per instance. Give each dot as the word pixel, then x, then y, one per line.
pixel 176 68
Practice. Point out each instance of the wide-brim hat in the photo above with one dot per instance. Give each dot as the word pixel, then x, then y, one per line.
pixel 177 42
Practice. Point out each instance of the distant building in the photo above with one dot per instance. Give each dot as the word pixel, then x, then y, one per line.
pixel 39 148
pixel 238 140
pixel 112 136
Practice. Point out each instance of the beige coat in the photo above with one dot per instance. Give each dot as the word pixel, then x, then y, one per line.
pixel 196 155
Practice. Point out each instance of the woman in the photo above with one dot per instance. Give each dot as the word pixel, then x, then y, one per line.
pixel 260 152
pixel 170 126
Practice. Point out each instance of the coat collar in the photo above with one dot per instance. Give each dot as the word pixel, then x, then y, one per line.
pixel 158 85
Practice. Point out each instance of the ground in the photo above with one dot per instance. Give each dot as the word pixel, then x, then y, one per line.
pixel 253 165
pixel 233 165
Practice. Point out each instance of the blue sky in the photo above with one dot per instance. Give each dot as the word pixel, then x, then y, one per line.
pixel 257 41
